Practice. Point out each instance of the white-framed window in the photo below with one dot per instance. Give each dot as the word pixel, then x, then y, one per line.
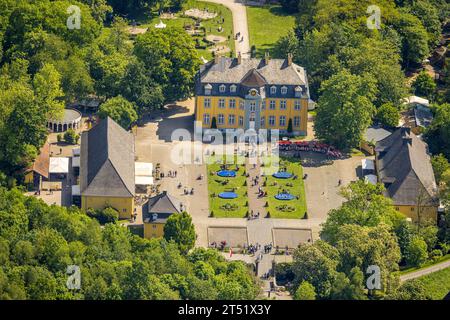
pixel 221 103
pixel 231 119
pixel 241 104
pixel 252 116
pixel 297 105
pixel 207 103
pixel 206 118
pixel 272 105
pixel 241 120
pixel 298 91
pixel 282 104
pixel 222 88
pixel 263 122
pixel 208 89
pixel 282 121
pixel 220 119
pixel 284 90
pixel 296 121
pixel 253 106
pixel 263 105
pixel 232 103
pixel 233 88
pixel 273 90
pixel 271 121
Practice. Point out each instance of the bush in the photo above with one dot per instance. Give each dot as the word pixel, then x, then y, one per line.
pixel 71 137
pixel 59 137
pixel 416 252
pixel 388 115
pixel 289 128
pixel 107 215
pixel 424 85
pixel 436 254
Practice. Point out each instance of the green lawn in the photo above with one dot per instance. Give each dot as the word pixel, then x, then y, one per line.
pixel 266 25
pixel 437 284
pixel 274 185
pixel 215 186
pixel 211 25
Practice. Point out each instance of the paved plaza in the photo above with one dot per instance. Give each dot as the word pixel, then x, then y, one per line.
pixel 155 143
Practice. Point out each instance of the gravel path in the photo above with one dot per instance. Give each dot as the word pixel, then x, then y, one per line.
pixel 425 271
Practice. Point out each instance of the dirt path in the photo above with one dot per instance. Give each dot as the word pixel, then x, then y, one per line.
pixel 239 13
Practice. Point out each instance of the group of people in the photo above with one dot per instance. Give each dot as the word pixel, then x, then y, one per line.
pixel 268 248
pixel 253 215
pixel 239 37
pixel 313 146
pixel 220 246
pixel 252 248
pixel 170 174
pixel 261 193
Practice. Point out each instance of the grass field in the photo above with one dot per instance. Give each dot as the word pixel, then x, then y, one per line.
pixel 437 284
pixel 274 185
pixel 215 186
pixel 211 25
pixel 266 25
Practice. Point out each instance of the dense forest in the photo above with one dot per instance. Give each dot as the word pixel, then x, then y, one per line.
pixel 357 74
pixel 38 242
pixel 44 65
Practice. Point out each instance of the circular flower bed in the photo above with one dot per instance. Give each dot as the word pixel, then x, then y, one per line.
pixel 284 196
pixel 226 173
pixel 228 195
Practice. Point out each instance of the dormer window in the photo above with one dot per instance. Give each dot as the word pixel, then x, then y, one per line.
pixel 284 90
pixel 222 88
pixel 273 90
pixel 208 89
pixel 233 88
pixel 298 91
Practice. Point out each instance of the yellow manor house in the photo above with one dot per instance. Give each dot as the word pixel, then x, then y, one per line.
pixel 243 93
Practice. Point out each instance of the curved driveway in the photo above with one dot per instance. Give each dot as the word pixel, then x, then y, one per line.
pixel 239 13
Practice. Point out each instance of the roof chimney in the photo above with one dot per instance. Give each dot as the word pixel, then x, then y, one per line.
pixel 266 58
pixel 239 58
pixel 289 59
